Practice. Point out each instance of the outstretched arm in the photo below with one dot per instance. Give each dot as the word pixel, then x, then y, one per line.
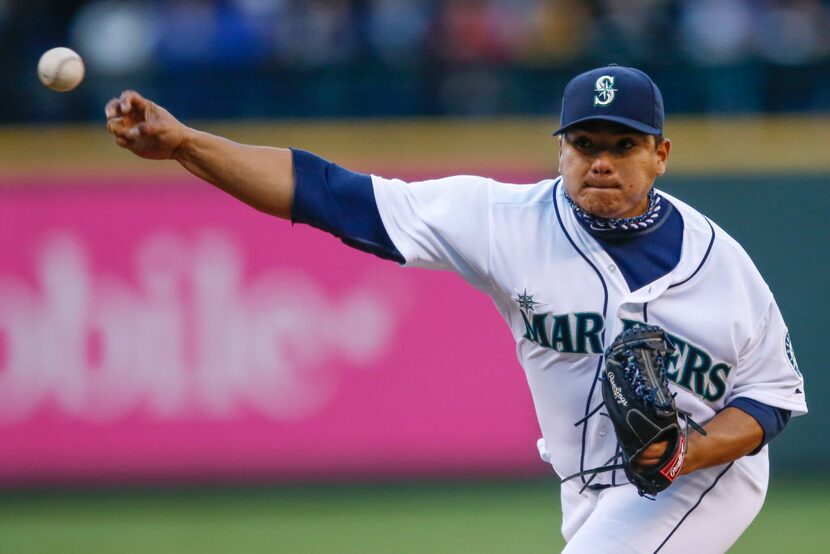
pixel 260 176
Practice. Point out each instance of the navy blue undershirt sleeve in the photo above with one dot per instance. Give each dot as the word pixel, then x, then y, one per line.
pixel 772 420
pixel 340 202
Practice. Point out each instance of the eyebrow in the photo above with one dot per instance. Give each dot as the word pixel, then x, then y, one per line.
pixel 622 134
pixel 611 130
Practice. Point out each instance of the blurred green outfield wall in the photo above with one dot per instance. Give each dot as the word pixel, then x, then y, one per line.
pixel 765 181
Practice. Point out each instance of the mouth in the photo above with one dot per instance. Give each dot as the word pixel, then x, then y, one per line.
pixel 602 186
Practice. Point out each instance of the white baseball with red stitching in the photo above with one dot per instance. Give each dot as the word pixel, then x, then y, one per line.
pixel 61 69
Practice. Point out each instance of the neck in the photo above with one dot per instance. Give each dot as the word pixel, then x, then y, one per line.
pixel 630 225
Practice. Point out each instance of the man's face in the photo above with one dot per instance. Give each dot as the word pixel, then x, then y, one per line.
pixel 608 169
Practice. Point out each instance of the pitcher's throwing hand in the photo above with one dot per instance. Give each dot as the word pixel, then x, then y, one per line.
pixel 145 128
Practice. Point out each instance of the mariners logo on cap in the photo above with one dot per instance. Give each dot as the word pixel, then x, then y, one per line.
pixel 605 90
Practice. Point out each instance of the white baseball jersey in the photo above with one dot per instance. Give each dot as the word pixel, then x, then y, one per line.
pixel 565 300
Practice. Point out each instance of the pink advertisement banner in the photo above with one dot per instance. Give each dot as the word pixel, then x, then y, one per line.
pixel 163 332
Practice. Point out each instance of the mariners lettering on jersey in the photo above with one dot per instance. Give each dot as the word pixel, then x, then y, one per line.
pixel 574 333
pixel 692 368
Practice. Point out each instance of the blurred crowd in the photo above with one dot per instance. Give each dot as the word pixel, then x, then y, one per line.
pixel 444 56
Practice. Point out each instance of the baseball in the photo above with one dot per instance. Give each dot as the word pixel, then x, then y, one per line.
pixel 60 69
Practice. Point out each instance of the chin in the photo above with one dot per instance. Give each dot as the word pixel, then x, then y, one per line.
pixel 599 203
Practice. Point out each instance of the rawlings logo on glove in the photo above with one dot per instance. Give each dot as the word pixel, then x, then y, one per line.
pixel 616 391
pixel 672 469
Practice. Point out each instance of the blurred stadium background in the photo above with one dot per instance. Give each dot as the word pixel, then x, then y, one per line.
pixel 179 373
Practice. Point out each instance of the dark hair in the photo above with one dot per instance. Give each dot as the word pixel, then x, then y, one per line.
pixel 658 139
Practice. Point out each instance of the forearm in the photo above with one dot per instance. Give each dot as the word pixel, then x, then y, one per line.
pixel 260 176
pixel 731 434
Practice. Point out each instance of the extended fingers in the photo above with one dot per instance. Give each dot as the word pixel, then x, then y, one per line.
pixel 125 136
pixel 128 101
pixel 113 108
pixel 117 127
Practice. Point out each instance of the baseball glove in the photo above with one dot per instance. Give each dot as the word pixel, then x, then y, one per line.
pixel 637 397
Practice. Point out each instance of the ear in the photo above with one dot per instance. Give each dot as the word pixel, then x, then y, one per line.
pixel 663 150
pixel 559 167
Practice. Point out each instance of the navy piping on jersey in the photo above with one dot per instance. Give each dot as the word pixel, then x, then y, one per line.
pixel 340 202
pixel 614 473
pixel 703 261
pixel 692 509
pixel 604 316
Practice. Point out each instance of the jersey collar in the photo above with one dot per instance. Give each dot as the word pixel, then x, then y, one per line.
pixel 653 217
pixel 698 239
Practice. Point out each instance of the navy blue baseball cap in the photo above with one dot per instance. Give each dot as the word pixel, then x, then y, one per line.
pixel 615 93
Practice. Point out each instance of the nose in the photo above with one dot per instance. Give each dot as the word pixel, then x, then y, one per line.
pixel 602 164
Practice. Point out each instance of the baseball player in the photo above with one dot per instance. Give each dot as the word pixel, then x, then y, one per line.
pixel 570 264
